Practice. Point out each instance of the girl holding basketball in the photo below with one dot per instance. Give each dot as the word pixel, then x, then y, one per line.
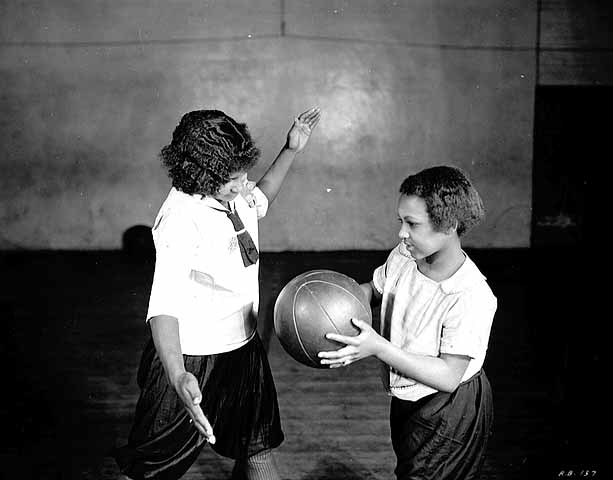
pixel 204 376
pixel 436 315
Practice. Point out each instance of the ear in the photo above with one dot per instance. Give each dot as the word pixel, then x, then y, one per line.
pixel 453 229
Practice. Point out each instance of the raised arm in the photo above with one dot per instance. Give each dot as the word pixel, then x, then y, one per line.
pixel 297 138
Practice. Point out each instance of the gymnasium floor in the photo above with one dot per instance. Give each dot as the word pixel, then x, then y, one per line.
pixel 73 332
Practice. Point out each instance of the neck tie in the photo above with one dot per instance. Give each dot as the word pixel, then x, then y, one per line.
pixel 249 252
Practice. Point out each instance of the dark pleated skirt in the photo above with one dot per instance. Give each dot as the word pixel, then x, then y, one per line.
pixel 238 398
pixel 443 436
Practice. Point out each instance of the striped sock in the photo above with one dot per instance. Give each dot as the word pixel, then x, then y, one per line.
pixel 261 466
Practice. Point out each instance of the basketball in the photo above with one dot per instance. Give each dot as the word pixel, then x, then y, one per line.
pixel 315 303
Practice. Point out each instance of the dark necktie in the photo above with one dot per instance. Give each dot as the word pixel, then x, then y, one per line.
pixel 249 252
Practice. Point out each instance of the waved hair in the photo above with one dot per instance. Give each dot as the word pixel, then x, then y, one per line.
pixel 451 200
pixel 208 147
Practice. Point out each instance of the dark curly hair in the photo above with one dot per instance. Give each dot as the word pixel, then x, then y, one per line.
pixel 451 200
pixel 207 147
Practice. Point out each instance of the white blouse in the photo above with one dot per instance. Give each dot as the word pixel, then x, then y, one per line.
pixel 199 274
pixel 426 317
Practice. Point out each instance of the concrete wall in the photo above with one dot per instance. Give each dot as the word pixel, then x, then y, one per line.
pixel 91 91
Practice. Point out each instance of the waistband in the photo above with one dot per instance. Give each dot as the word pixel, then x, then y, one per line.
pixel 475 376
pixel 223 335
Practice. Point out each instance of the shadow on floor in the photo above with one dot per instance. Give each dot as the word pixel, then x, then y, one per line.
pixel 74 329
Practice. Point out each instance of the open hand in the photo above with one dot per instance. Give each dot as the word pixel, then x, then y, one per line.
pixel 189 392
pixel 299 133
pixel 365 344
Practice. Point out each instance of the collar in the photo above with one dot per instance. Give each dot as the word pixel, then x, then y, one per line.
pixel 217 205
pixel 198 199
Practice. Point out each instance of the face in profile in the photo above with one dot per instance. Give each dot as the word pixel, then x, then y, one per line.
pixel 228 191
pixel 416 230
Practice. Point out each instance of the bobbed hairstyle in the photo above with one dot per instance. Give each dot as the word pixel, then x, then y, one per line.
pixel 207 147
pixel 451 200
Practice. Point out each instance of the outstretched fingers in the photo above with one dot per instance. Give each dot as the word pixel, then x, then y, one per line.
pixel 190 392
pixel 347 340
pixel 338 358
pixel 201 423
pixel 341 357
pixel 310 118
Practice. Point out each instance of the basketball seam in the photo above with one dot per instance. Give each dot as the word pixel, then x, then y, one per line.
pixel 305 285
pixel 296 330
pixel 321 306
pixel 342 288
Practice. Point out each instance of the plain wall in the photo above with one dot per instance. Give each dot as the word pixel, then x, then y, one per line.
pixel 92 90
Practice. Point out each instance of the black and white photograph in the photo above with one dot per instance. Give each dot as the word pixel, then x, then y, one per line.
pixel 304 239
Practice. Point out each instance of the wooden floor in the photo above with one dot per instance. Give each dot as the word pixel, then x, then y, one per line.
pixel 74 330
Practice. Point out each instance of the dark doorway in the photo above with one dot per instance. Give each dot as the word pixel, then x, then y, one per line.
pixel 569 164
pixel 567 131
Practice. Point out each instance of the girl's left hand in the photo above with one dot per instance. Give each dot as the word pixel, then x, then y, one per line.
pixel 299 134
pixel 366 343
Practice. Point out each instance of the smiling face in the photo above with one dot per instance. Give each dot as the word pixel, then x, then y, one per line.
pixel 416 230
pixel 229 190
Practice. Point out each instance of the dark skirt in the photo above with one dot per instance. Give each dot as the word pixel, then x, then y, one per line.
pixel 238 398
pixel 443 435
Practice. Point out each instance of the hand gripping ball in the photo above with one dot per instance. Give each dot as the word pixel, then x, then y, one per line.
pixel 313 304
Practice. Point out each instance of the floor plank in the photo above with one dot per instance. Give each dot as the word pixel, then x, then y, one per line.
pixel 75 330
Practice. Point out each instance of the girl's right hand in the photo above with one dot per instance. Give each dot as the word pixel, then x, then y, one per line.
pixel 189 392
pixel 366 343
